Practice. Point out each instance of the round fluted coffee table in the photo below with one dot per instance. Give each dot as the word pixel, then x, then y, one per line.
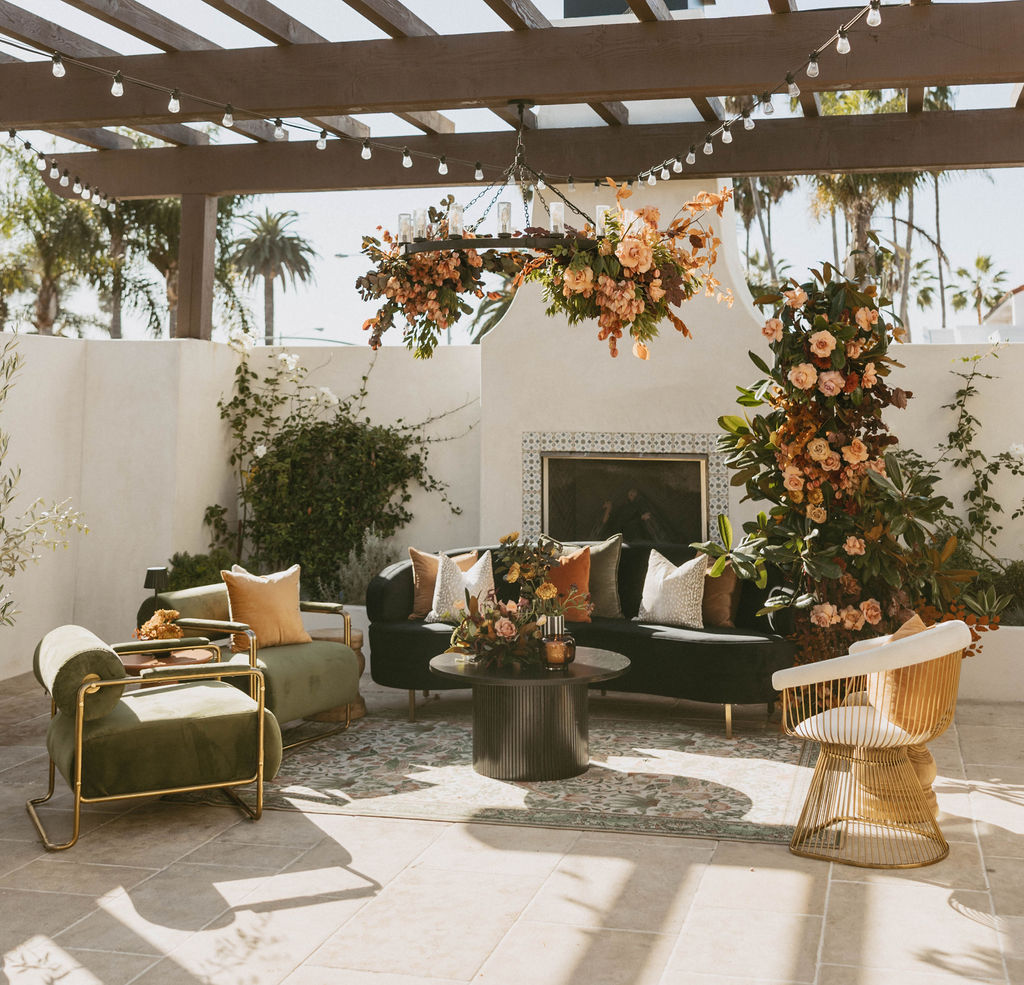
pixel 532 724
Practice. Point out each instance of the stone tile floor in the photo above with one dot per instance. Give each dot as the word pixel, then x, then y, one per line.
pixel 162 894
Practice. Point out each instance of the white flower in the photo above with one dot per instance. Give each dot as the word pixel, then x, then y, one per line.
pixel 289 360
pixel 329 396
pixel 260 450
pixel 240 340
pixel 1016 451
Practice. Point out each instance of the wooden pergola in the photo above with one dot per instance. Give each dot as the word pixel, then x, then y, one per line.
pixel 417 73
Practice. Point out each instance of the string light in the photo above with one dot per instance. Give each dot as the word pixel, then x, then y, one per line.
pixel 709 147
pixel 366 153
pixel 406 158
pixel 874 18
pixel 677 165
pixel 12 137
pixel 86 193
pixel 664 173
pixel 478 172
pixel 727 134
pixel 279 133
pixel 572 183
pixel 54 171
pixel 793 88
pixel 112 206
pixel 748 120
pixel 117 86
pixel 442 165
pixel 64 179
pixel 767 106
pixel 174 103
pixel 843 42
pixel 40 161
pixel 321 141
pixel 691 154
pixel 77 186
pixel 228 119
pixel 651 180
pixel 57 66
pixel 812 65
pixel 541 183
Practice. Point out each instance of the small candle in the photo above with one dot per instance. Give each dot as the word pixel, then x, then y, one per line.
pixel 602 224
pixel 557 218
pixel 419 224
pixel 504 219
pixel 455 220
pixel 404 227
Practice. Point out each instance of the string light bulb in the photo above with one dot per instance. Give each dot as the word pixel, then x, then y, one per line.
pixel 748 120
pixel 279 133
pixel 709 147
pixel 228 119
pixel 812 65
pixel 792 87
pixel 541 183
pixel 691 154
pixel 767 106
pixel 174 103
pixel 117 86
pixel 664 173
pixel 77 186
pixel 406 158
pixel 12 137
pixel 57 66
pixel 874 18
pixel 677 165
pixel 65 180
pixel 843 42
pixel 40 161
pixel 111 206
pixel 366 153
pixel 572 183
pixel 54 170
pixel 442 165
pixel 478 172
pixel 651 180
pixel 321 141
pixel 727 133
pixel 87 193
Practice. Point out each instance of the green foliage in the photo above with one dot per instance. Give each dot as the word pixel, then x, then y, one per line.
pixel 362 565
pixel 193 570
pixel 981 286
pixel 314 474
pixel 1009 584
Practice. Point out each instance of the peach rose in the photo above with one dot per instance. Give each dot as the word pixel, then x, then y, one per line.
pixel 854 349
pixel 578 282
pixel 831 383
pixel 772 330
pixel 822 343
pixel 831 462
pixel 792 478
pixel 852 618
pixel 853 545
pixel 825 614
pixel 856 451
pixel 818 449
pixel 505 628
pixel 796 298
pixel 866 317
pixel 816 514
pixel 870 377
pixel 803 376
pixel 871 609
pixel 635 254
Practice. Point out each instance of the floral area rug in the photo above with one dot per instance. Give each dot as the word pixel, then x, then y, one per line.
pixel 655 777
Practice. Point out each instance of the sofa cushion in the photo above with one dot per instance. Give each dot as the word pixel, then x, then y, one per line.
pixel 62 661
pixel 424 578
pixel 721 603
pixel 267 604
pixel 604 573
pixel 571 576
pixel 158 738
pixel 454 584
pixel 672 595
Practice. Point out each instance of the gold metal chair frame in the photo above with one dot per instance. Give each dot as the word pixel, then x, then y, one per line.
pixel 240 628
pixel 865 806
pixel 90 685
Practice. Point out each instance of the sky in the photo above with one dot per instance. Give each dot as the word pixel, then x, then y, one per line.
pixel 975 205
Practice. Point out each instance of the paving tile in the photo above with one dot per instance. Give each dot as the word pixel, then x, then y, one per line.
pixel 1011 936
pixel 748 944
pixel 42 962
pixel 988 713
pixel 498 848
pixel 15 854
pixel 830 974
pixel 692 979
pixel 243 855
pixel 640 883
pixel 549 954
pixel 1006 879
pixel 961 869
pixel 458 922
pixel 991 745
pixel 290 828
pixel 27 914
pixel 309 974
pixel 63 874
pixel 997 804
pixel 763 877
pixel 17 755
pixel 912 928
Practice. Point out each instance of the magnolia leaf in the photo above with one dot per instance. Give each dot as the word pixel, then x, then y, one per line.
pixel 719 566
pixel 725 530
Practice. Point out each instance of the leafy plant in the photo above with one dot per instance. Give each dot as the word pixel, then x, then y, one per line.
pixel 192 570
pixel 362 565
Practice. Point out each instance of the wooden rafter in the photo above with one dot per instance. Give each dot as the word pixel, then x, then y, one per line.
pixel 810 102
pixel 948 43
pixel 915 94
pixel 1018 96
pixel 650 10
pixel 956 140
pixel 523 15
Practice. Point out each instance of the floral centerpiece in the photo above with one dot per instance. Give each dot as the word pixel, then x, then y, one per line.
pixel 160 626
pixel 850 529
pixel 628 279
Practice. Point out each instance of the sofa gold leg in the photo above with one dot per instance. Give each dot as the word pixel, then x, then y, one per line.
pixel 412 706
pixel 728 721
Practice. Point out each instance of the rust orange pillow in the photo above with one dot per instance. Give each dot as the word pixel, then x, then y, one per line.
pixel 721 602
pixel 424 577
pixel 268 604
pixel 573 569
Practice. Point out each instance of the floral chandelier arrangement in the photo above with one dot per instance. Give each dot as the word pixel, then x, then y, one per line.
pixel 621 268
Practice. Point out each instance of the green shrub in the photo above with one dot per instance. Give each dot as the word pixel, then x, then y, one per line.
pixel 1010 582
pixel 360 567
pixel 193 570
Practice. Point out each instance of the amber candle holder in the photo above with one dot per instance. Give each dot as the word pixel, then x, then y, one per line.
pixel 558 646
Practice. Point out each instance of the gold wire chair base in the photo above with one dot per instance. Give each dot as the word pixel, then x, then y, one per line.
pixel 323 734
pixel 866 807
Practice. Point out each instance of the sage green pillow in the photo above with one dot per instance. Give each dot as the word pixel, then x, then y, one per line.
pixel 604 574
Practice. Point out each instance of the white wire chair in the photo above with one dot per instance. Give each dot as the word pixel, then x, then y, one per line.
pixel 866 805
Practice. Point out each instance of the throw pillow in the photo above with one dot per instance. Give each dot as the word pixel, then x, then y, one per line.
pixel 573 569
pixel 721 599
pixel 424 577
pixel 672 596
pixel 268 605
pixel 604 574
pixel 453 583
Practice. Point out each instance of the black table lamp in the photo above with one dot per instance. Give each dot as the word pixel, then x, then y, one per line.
pixel 157 579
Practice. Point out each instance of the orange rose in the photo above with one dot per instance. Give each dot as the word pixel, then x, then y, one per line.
pixel 772 330
pixel 803 376
pixel 635 254
pixel 856 451
pixel 822 343
pixel 871 609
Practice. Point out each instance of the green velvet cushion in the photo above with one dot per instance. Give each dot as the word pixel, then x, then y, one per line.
pixel 63 659
pixel 162 738
pixel 303 679
pixel 204 602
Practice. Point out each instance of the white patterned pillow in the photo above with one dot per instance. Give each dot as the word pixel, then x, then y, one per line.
pixel 672 596
pixel 453 583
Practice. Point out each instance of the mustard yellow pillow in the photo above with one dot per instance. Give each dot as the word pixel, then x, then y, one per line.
pixel 268 604
pixel 424 577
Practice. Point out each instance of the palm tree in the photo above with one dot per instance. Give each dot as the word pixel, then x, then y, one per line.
pixel 269 250
pixel 14 277
pixel 980 287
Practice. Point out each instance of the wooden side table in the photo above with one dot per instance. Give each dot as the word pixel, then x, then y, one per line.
pixel 135 663
pixel 336 634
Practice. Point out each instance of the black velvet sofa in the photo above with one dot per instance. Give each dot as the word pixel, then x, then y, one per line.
pixel 725 666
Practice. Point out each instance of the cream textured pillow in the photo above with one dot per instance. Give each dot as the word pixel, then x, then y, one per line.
pixel 452 584
pixel 672 596
pixel 268 604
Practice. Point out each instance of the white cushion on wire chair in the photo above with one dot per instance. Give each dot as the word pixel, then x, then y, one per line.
pixel 858 725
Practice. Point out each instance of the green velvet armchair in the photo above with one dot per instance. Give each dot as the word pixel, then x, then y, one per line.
pixel 111 744
pixel 318 680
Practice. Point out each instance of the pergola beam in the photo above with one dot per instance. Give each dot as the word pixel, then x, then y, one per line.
pixel 952 44
pixel 957 140
pixel 650 10
pixel 915 94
